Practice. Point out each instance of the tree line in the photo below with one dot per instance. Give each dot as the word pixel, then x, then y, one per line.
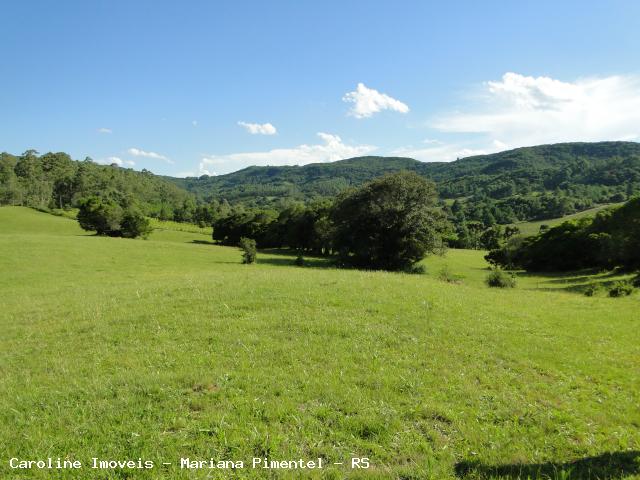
pixel 390 223
pixel 480 196
pixel 610 239
pixel 531 183
pixel 55 181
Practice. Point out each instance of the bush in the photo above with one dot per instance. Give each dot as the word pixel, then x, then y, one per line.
pixel 621 289
pixel 249 252
pixel 134 224
pixel 103 217
pixel 592 290
pixel 107 217
pixel 299 261
pixel 636 281
pixel 500 279
pixel 416 269
pixel 446 275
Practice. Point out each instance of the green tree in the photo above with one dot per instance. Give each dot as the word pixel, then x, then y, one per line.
pixel 103 217
pixel 390 223
pixel 107 217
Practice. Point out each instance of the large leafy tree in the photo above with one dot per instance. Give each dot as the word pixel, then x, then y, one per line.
pixel 389 223
pixel 108 217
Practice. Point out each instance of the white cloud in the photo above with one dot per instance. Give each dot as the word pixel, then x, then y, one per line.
pixel 117 160
pixel 136 152
pixel 104 130
pixel 439 152
pixel 259 128
pixel 519 110
pixel 332 148
pixel 368 101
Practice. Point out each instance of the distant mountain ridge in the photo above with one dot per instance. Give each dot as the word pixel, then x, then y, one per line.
pixel 602 168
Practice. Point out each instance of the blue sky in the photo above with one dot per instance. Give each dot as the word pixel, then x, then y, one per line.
pixel 186 88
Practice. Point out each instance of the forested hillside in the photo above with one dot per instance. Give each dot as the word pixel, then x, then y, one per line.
pixel 54 180
pixel 261 185
pixel 539 182
pixel 531 183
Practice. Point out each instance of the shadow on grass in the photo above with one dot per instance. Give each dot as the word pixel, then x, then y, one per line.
pixel 578 281
pixel 603 286
pixel 560 277
pixel 280 257
pixel 203 242
pixel 596 275
pixel 283 257
pixel 608 466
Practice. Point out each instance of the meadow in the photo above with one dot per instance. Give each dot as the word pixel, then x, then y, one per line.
pixel 169 347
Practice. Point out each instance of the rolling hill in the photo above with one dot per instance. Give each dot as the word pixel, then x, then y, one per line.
pixel 530 183
pixel 603 169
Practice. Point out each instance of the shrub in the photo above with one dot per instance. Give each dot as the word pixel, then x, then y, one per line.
pixel 446 275
pixel 416 269
pixel 249 252
pixel 103 217
pixel 107 217
pixel 299 261
pixel 500 279
pixel 134 224
pixel 636 281
pixel 621 289
pixel 592 289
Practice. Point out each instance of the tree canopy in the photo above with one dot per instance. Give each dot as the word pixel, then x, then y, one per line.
pixel 389 223
pixel 610 239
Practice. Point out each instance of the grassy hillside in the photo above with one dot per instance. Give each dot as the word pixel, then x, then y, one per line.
pixel 532 228
pixel 169 348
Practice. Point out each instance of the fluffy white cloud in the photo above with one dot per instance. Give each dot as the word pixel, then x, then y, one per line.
pixel 332 148
pixel 136 152
pixel 259 128
pixel 367 101
pixel 437 152
pixel 519 110
pixel 104 130
pixel 118 161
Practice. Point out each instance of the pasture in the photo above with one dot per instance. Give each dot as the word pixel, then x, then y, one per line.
pixel 168 347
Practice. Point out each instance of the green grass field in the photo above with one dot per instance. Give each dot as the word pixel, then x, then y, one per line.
pixel 170 348
pixel 532 228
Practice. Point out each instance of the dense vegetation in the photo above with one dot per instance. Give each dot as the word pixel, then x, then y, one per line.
pixel 389 223
pixel 107 217
pixel 302 227
pixel 610 239
pixel 478 194
pixel 54 180
pixel 546 181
